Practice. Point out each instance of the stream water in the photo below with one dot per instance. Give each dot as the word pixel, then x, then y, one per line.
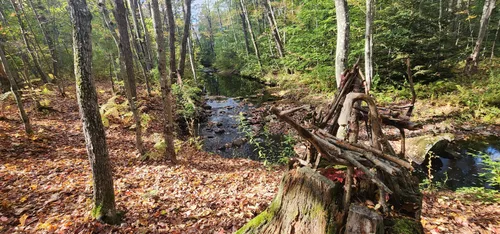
pixel 230 100
pixel 464 166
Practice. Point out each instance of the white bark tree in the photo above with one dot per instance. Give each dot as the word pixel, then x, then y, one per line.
pixel 342 50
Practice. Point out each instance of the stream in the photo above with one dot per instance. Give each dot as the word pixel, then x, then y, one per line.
pixel 464 164
pixel 230 107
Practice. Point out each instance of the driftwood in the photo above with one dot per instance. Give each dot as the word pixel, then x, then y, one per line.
pixel 339 123
pixel 333 138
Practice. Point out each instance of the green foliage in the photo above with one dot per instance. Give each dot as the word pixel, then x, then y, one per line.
pixel 428 184
pixel 491 168
pixel 186 98
pixel 481 194
pixel 269 148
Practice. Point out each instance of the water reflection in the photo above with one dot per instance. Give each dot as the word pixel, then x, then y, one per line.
pixel 464 169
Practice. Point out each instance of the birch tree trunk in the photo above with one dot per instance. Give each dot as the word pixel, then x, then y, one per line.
pixel 93 129
pixel 185 36
pixel 370 12
pixel 252 35
pixel 31 51
pixel 15 91
pixel 472 62
pixel 126 54
pixel 167 86
pixel 342 50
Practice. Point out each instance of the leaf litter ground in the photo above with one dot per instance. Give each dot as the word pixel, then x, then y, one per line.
pixel 46 185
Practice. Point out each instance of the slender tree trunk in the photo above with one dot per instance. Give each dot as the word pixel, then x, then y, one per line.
pixel 169 124
pixel 185 36
pixel 147 45
pixel 112 29
pixel 193 70
pixel 274 29
pixel 93 129
pixel 52 47
pixel 494 42
pixel 473 60
pixel 342 50
pixel 31 51
pixel 245 32
pixel 15 91
pixel 370 12
pixel 139 43
pixel 252 36
pixel 210 30
pixel 126 55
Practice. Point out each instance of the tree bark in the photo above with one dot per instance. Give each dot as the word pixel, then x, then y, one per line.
pixel 140 44
pixel 93 129
pixel 15 90
pixel 147 42
pixel 274 29
pixel 185 36
pixel 472 62
pixel 190 51
pixel 494 42
pixel 126 55
pixel 342 50
pixel 169 124
pixel 252 35
pixel 306 203
pixel 52 47
pixel 245 32
pixel 370 12
pixel 31 51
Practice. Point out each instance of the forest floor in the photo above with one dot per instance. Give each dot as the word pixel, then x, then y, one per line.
pixel 45 183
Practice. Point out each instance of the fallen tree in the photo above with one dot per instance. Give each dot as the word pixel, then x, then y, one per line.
pixel 308 202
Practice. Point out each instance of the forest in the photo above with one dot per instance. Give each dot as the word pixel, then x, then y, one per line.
pixel 249 116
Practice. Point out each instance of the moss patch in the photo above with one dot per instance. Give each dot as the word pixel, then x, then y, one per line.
pixel 405 225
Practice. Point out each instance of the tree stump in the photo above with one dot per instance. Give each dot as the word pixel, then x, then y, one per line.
pixel 306 203
pixel 361 219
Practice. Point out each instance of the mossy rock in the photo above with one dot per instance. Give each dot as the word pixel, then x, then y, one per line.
pixel 418 147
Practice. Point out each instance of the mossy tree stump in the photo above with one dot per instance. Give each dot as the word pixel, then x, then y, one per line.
pixel 307 202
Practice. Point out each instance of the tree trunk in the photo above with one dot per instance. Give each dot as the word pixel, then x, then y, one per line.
pixel 210 30
pixel 52 47
pixel 185 36
pixel 274 29
pixel 494 42
pixel 252 36
pixel 190 51
pixel 370 12
pixel 147 43
pixel 93 129
pixel 472 62
pixel 31 51
pixel 139 43
pixel 169 124
pixel 342 50
pixel 15 91
pixel 245 32
pixel 306 203
pixel 126 55
pixel 124 45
